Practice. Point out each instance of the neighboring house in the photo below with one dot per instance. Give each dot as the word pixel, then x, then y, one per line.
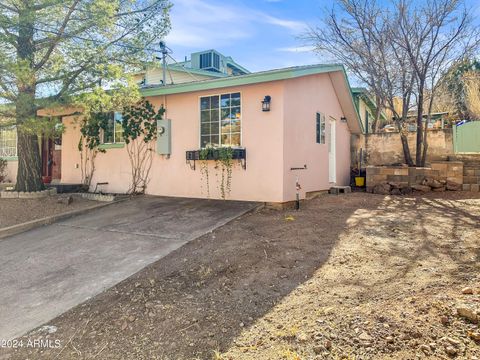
pixel 304 136
pixel 366 108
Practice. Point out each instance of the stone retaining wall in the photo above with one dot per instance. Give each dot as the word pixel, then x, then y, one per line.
pixel 402 176
pixel 27 195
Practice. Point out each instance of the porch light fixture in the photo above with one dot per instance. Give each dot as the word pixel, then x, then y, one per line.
pixel 343 119
pixel 266 103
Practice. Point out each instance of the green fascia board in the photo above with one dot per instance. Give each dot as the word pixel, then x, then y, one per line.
pixel 360 92
pixel 253 78
pixel 111 146
pixel 238 66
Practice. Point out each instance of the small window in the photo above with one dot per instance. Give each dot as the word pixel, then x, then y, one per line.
pixel 113 134
pixel 320 128
pixel 8 141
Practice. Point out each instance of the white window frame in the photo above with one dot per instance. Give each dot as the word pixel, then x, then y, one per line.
pixel 114 132
pixel 322 139
pixel 4 151
pixel 220 120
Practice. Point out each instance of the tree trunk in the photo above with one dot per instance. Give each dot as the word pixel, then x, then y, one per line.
pixel 405 147
pixel 29 176
pixel 419 147
pixel 378 113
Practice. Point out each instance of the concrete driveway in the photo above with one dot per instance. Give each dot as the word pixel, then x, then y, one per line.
pixel 46 271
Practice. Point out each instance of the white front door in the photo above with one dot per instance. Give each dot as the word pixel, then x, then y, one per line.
pixel 332 159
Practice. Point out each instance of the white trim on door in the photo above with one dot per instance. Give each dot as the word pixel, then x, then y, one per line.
pixel 332 153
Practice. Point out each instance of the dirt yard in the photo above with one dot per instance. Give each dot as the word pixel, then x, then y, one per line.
pixel 355 276
pixel 17 211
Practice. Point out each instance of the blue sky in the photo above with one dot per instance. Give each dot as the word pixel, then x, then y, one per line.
pixel 258 34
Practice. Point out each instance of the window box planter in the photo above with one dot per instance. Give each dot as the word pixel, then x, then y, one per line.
pixel 214 154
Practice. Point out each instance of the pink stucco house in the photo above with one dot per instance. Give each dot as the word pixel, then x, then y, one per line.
pixel 302 134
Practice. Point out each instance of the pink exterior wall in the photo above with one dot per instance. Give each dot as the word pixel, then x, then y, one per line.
pixel 275 141
pixel 304 98
pixel 261 136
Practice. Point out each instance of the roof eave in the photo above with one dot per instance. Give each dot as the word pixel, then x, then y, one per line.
pixel 253 78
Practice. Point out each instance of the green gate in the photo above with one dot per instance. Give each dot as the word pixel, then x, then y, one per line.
pixel 466 138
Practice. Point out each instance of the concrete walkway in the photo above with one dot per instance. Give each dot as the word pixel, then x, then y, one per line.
pixel 46 271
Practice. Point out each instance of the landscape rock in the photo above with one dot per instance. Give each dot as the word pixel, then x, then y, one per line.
pixel 382 189
pixel 365 337
pixel 422 188
pixel 467 312
pixel 450 350
pixel 453 186
pixel 467 291
pixel 433 183
pixel 67 200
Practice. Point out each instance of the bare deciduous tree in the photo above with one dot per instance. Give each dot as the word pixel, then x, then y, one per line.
pixel 400 51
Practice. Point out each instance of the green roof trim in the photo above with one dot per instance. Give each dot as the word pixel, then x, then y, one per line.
pixel 253 78
pixel 361 92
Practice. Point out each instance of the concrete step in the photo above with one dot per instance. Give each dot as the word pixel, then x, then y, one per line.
pixel 340 190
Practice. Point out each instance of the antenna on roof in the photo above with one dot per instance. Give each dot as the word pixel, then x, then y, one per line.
pixel 164 50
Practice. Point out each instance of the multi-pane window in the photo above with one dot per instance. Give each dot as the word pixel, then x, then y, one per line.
pixel 320 128
pixel 220 120
pixel 8 141
pixel 114 131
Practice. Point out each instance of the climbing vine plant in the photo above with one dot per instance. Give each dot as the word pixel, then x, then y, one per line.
pixel 140 132
pixel 96 108
pixel 88 144
pixel 223 157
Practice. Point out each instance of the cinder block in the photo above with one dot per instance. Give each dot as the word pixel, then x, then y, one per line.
pixel 475 187
pixel 469 172
pixel 386 171
pixel 466 187
pixel 397 178
pixel 401 172
pixel 373 170
pixel 456 179
pixel 477 172
pixel 9 195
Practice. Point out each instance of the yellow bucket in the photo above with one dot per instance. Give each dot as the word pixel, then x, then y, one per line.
pixel 359 181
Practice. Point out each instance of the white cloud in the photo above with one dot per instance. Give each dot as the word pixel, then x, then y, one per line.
pixel 295 26
pixel 296 49
pixel 205 23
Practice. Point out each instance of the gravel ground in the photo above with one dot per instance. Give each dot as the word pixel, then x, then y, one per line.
pixel 355 276
pixel 17 211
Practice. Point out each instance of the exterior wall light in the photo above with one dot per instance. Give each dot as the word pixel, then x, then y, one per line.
pixel 343 119
pixel 266 103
